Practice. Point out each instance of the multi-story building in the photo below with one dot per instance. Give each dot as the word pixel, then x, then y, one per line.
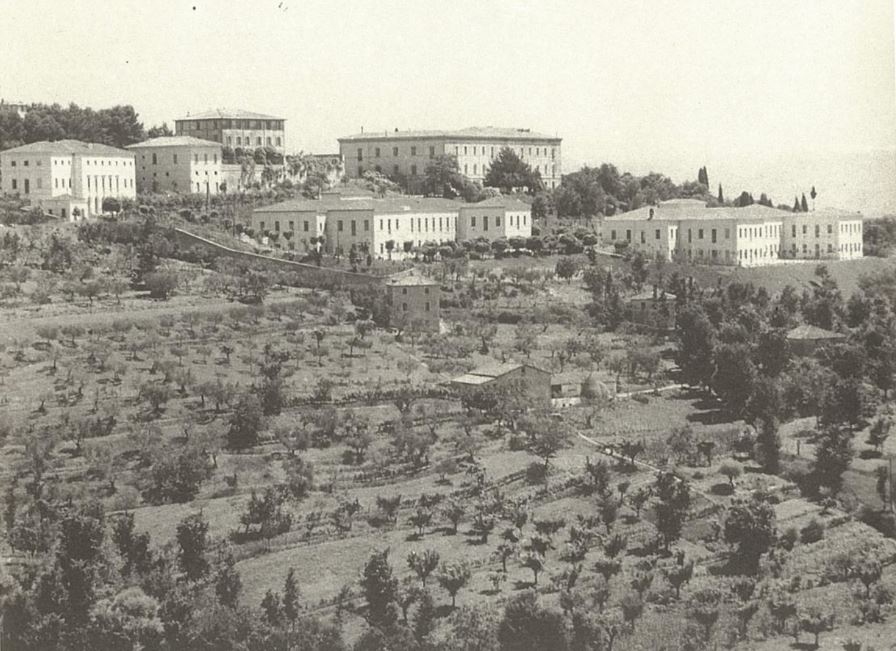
pixel 181 164
pixel 235 128
pixel 68 178
pixel 825 234
pixel 405 154
pixel 413 301
pixel 750 236
pixel 387 228
pixel 493 219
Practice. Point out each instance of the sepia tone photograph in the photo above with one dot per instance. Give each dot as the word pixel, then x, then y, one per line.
pixel 488 325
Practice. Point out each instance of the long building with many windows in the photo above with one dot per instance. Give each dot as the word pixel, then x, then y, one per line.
pixel 68 178
pixel 391 228
pixel 235 128
pixel 180 164
pixel 750 236
pixel 404 155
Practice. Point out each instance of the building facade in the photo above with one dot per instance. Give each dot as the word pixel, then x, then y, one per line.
pixel 235 128
pixel 405 154
pixel 390 228
pixel 821 235
pixel 494 219
pixel 750 236
pixel 179 164
pixel 68 178
pixel 413 302
pixel 528 382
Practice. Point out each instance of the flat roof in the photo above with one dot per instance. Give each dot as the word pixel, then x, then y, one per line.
pixel 688 210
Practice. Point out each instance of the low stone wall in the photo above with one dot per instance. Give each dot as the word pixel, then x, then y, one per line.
pixel 307 275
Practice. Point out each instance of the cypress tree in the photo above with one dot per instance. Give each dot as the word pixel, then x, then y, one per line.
pixel 721 196
pixel 796 204
pixel 804 206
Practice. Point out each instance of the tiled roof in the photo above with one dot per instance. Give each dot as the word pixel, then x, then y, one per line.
pixel 501 202
pixel 385 206
pixel 298 205
pixel 497 369
pixel 234 114
pixel 488 133
pixel 687 210
pixel 69 147
pixel 175 141
pixel 410 278
pixel 648 296
pixel 469 378
pixel 812 332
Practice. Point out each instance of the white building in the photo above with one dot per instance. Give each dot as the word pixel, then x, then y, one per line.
pixel 180 164
pixel 751 236
pixel 389 228
pixel 68 178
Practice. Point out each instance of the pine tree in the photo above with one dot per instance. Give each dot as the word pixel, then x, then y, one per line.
pixel 813 194
pixel 804 205
pixel 721 196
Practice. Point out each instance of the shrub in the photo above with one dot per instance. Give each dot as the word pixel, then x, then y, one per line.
pixel 789 538
pixel 536 473
pixel 812 532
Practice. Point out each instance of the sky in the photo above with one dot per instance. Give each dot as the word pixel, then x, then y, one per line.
pixel 783 93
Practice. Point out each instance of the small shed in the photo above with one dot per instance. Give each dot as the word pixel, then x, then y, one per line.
pixel 804 340
pixel 534 382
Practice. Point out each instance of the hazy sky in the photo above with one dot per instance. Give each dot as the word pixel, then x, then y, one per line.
pixel 670 85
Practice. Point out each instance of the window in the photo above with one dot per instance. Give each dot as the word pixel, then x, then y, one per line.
pixel 258 141
pixel 643 237
pixel 432 152
pixel 376 152
pixel 15 185
pixel 268 140
pixel 395 151
pixel 261 226
pixel 426 306
pixel 413 151
pixel 465 150
pixel 657 233
pixel 354 228
pixel 817 230
pixel 292 226
pixel 305 226
pixel 154 161
pixel 13 163
pixel 628 235
pixel 279 141
pixel 360 155
pixel 413 170
pixel 339 226
pixel 473 221
pixel 830 229
pixel 485 222
pixel 474 168
pixel 727 233
pixel 26 163
pixel 699 233
pixel 395 170
pixel 404 290
pixel 497 222
pixel 277 226
pixel 404 307
pixel 612 235
pixel 689 236
pixel 713 234
pixel 366 225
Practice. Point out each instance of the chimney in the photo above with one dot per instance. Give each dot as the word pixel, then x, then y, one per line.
pixel 362 129
pixel 651 215
pixel 396 129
